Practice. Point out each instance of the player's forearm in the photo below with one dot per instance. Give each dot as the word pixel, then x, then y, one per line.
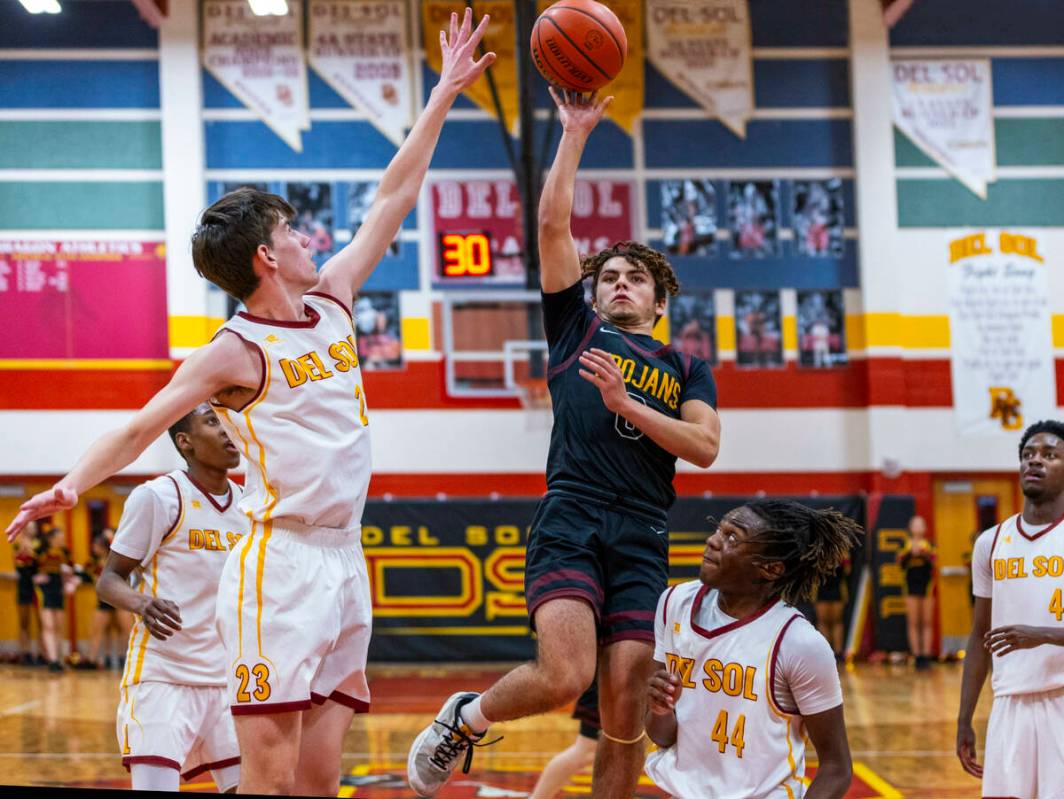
pixel 110 453
pixel 115 591
pixel 556 199
pixel 402 179
pixel 687 440
pixel 832 781
pixel 661 728
pixel 976 666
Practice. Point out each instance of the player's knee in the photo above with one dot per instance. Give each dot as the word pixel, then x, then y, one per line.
pixel 569 682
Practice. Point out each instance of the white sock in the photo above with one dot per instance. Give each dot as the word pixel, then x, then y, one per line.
pixel 147 777
pixel 472 715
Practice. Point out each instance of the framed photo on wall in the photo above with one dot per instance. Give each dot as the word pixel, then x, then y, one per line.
pixel 314 216
pixel 819 223
pixel 758 329
pixel 380 344
pixel 753 218
pixel 689 217
pixel 693 325
pixel 821 328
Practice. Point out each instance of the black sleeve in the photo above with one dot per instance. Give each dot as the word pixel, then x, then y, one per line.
pixel 565 315
pixel 700 384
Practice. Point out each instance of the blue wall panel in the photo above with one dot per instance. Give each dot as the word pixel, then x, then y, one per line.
pixel 971 22
pixel 1029 81
pixel 768 143
pixel 102 23
pixel 79 84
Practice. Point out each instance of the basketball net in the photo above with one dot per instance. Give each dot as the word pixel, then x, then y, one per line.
pixel 535 399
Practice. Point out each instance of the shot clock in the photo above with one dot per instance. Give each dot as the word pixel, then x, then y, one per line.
pixel 465 255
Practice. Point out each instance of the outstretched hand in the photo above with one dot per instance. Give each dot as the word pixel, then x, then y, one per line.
pixel 579 113
pixel 43 504
pixel 459 70
pixel 600 370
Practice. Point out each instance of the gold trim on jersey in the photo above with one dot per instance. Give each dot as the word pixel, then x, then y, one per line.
pixel 787 717
pixel 144 643
pixel 261 570
pixel 240 594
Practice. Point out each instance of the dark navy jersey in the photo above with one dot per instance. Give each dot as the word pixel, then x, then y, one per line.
pixel 591 445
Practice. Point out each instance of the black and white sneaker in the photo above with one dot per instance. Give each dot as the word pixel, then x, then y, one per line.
pixel 435 752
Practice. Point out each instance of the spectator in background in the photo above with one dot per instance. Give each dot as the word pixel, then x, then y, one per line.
pixel 830 601
pixel 106 629
pixel 25 557
pixel 917 561
pixel 53 570
pixel 123 618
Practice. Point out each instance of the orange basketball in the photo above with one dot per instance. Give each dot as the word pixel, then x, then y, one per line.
pixel 579 45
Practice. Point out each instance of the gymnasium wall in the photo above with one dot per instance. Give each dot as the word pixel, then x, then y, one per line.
pixel 80 108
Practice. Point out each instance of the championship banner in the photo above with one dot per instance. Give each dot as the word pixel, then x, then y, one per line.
pixel 260 60
pixel 946 109
pixel 361 48
pixel 628 88
pixel 704 47
pixel 1001 342
pixel 499 38
pixel 447 577
pixel 58 300
pixel 476 225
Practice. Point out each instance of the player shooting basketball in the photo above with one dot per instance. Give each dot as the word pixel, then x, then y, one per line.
pixel 284 376
pixel 625 408
pixel 1018 622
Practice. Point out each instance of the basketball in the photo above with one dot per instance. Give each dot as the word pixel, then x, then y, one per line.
pixel 579 45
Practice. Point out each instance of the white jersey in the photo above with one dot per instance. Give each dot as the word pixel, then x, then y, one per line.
pixel 1020 568
pixel 738 735
pixel 304 433
pixel 182 536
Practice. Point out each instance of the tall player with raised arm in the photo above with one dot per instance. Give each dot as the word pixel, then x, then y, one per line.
pixel 293 606
pixel 625 408
pixel 1018 623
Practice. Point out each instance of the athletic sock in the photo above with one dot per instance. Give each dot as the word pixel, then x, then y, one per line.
pixel 474 718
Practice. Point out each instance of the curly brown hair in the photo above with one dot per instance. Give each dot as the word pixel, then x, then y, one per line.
pixel 654 262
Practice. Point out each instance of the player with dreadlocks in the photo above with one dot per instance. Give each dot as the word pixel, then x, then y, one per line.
pixel 742 675
pixel 626 406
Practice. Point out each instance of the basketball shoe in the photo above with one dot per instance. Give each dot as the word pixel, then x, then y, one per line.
pixel 435 752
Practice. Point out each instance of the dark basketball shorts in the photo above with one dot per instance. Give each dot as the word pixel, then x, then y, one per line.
pixel 917 585
pixel 52 592
pixel 587 712
pixel 609 551
pixel 25 594
pixel 830 591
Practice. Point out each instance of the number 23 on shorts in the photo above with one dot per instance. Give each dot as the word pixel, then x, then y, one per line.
pixel 254 682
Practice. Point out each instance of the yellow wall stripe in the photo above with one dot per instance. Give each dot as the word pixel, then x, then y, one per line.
pixel 661 329
pixel 1058 331
pixel 62 365
pixel 725 333
pixel 416 333
pixel 907 332
pixel 193 331
pixel 790 333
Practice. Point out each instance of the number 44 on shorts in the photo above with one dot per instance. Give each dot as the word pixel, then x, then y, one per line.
pixel 254 682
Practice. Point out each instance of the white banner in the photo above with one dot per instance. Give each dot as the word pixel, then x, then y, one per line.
pixel 704 47
pixel 260 60
pixel 1000 333
pixel 362 49
pixel 946 108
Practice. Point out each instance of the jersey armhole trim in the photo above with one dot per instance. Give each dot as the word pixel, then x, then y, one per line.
pixel 335 300
pixel 180 513
pixel 596 323
pixel 771 687
pixel 993 545
pixel 262 375
pixel 665 607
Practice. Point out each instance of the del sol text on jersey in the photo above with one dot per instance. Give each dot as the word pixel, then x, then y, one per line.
pixel 311 367
pixel 734 679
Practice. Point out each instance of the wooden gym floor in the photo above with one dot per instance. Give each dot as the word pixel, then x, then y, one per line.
pixel 58 729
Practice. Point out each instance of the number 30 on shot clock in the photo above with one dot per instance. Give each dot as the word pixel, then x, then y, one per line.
pixel 465 255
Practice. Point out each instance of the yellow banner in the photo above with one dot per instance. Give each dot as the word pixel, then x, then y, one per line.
pixel 628 88
pixel 436 16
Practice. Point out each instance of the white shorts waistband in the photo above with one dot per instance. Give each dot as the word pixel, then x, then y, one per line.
pixel 327 537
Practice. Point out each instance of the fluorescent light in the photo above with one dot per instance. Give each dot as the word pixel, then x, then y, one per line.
pixel 41 6
pixel 266 8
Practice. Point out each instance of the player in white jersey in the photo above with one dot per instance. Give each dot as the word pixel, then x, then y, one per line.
pixel 177 531
pixel 742 675
pixel 293 605
pixel 1018 622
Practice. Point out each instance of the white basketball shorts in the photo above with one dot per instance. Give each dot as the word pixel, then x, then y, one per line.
pixel 1024 747
pixel 294 614
pixel 185 727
